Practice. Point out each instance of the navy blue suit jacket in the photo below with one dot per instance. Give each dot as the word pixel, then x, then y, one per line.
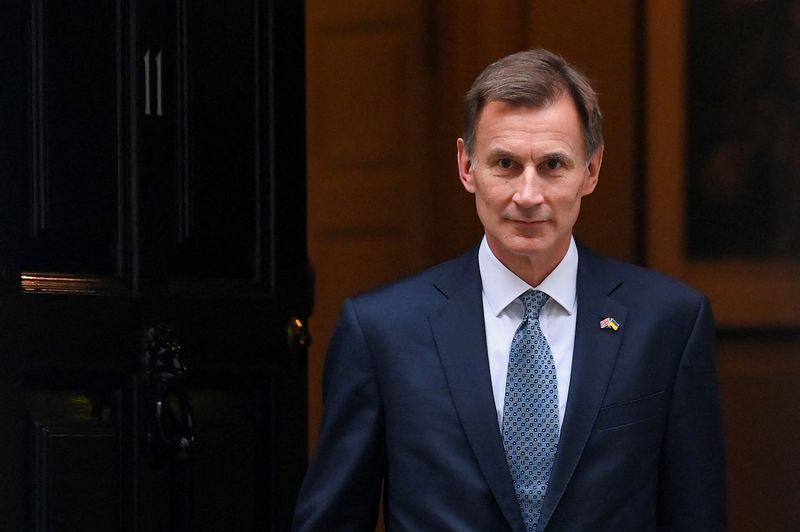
pixel 408 406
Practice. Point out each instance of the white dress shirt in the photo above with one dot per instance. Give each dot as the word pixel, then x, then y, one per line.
pixel 503 312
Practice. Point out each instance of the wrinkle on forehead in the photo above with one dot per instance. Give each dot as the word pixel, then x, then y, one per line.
pixel 530 132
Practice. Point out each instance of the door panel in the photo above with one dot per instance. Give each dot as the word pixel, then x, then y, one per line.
pixel 223 108
pixel 70 446
pixel 74 102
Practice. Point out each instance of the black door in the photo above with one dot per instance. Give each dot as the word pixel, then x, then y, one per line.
pixel 153 277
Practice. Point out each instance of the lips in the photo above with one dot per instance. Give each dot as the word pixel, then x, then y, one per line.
pixel 528 222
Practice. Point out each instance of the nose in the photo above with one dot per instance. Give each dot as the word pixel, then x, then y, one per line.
pixel 529 190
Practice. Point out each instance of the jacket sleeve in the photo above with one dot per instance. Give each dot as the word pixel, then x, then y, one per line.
pixel 692 478
pixel 342 487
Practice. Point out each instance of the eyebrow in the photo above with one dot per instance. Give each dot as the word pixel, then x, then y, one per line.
pixel 501 153
pixel 560 156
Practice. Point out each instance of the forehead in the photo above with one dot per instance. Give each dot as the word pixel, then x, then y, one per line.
pixel 502 122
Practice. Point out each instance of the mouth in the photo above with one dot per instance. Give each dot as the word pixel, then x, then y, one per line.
pixel 528 222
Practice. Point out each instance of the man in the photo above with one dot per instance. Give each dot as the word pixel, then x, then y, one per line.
pixel 530 384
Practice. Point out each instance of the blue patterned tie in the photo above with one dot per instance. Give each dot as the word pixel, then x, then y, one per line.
pixel 530 410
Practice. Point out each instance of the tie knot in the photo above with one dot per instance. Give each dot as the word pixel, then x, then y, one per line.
pixel 533 300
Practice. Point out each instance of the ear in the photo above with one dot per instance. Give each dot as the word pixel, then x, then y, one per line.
pixel 465 167
pixel 593 172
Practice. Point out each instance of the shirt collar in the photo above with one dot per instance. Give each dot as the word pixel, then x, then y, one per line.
pixel 501 286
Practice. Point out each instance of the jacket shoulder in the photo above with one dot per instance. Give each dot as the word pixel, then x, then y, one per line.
pixel 423 290
pixel 627 280
pixel 438 278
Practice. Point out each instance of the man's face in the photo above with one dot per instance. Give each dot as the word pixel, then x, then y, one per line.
pixel 529 175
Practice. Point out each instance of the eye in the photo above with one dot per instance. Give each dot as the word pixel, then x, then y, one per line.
pixel 552 164
pixel 505 164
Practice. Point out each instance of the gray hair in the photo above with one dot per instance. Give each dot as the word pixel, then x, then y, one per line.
pixel 535 78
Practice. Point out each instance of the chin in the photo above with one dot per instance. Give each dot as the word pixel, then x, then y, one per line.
pixel 527 246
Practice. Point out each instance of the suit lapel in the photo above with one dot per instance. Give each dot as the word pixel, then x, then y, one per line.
pixel 594 357
pixel 460 335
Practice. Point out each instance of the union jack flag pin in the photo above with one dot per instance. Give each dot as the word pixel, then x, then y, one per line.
pixel 609 323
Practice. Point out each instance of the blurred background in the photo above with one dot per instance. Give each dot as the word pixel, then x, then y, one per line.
pixel 385 86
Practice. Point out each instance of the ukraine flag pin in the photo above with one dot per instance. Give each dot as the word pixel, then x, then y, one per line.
pixel 609 323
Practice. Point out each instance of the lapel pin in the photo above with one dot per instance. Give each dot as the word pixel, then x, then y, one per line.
pixel 609 323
